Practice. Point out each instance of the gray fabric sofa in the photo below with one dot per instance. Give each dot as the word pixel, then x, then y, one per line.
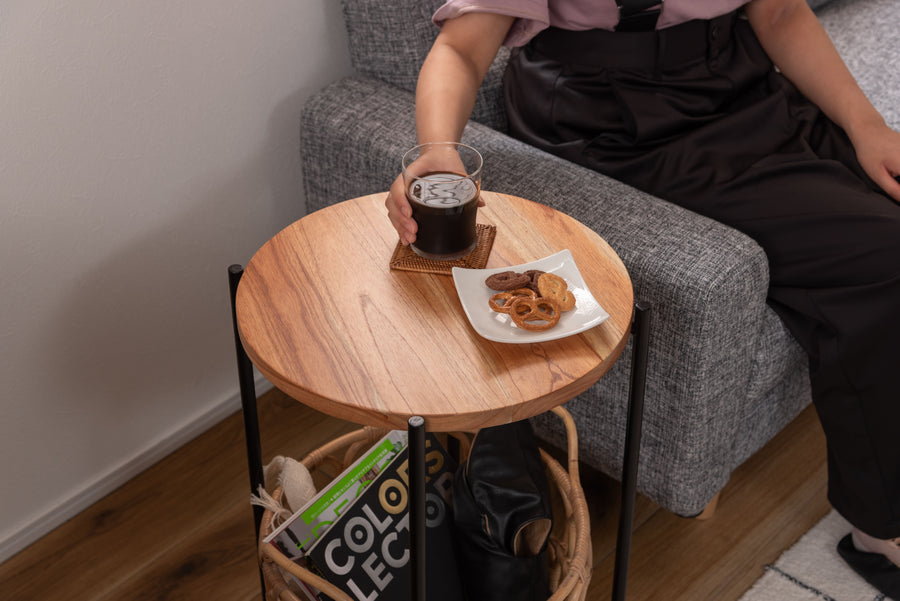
pixel 724 375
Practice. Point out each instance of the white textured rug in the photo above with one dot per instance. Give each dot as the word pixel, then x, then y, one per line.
pixel 812 570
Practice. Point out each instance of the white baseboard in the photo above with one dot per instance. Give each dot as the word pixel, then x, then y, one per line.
pixel 93 491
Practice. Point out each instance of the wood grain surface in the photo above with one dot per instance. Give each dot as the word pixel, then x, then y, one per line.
pixel 326 320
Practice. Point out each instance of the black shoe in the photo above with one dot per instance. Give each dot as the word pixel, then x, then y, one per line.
pixel 875 568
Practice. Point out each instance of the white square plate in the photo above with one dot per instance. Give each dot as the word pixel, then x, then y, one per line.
pixel 474 295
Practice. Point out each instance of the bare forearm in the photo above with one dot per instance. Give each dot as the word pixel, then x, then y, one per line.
pixel 795 40
pixel 445 95
pixel 453 71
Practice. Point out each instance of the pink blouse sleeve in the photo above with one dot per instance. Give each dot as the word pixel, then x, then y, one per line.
pixel 532 16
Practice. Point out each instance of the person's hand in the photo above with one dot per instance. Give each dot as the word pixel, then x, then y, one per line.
pixel 398 207
pixel 878 151
pixel 400 213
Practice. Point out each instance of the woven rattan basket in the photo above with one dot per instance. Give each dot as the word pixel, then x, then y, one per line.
pixel 569 549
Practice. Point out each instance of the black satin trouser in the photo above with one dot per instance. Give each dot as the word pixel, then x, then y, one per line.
pixel 696 114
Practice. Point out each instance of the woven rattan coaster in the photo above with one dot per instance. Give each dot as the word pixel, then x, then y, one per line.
pixel 405 259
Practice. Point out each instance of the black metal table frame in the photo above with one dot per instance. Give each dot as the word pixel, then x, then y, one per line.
pixel 640 332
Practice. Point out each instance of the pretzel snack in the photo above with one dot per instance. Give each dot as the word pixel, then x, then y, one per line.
pixel 552 286
pixel 534 314
pixel 502 301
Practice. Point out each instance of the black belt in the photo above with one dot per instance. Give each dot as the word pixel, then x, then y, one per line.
pixel 673 46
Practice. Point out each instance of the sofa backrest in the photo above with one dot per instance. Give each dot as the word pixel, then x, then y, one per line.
pixel 389 40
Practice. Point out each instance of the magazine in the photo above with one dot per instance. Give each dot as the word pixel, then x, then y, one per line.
pixel 303 528
pixel 365 552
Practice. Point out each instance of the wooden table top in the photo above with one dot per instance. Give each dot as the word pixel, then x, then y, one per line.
pixel 326 320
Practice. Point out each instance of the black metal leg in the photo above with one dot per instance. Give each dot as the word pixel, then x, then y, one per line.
pixel 417 507
pixel 641 337
pixel 248 406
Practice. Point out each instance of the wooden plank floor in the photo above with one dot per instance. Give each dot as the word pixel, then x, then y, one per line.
pixel 183 529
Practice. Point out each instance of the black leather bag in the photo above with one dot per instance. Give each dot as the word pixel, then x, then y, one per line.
pixel 503 516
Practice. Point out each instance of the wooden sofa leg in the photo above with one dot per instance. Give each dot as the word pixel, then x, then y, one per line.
pixel 710 509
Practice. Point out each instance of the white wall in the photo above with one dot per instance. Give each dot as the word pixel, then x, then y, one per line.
pixel 144 147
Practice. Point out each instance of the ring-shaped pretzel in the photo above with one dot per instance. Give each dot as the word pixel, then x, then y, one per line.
pixel 534 314
pixel 502 301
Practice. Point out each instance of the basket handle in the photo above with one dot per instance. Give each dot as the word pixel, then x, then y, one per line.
pixel 572 438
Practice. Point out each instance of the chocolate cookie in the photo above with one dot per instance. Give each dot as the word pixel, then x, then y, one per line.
pixel 534 274
pixel 507 280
